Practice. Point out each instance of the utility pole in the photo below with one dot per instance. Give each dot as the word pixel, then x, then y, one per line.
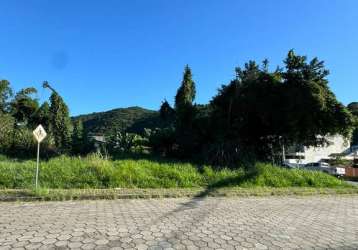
pixel 283 152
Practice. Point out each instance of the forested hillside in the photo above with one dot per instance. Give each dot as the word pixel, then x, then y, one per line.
pixel 132 119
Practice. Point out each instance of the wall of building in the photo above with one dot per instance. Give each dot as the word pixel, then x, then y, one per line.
pixel 337 145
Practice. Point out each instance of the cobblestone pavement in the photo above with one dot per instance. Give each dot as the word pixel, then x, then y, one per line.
pixel 318 222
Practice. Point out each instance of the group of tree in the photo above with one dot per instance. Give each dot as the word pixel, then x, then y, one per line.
pixel 21 113
pixel 251 118
pixel 254 115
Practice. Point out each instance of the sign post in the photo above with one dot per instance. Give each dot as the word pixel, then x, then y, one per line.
pixel 39 134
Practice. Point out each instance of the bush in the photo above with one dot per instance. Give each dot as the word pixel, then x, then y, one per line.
pixel 14 174
pixel 272 176
pixel 6 131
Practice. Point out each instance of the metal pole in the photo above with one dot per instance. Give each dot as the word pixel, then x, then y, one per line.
pixel 37 163
pixel 283 153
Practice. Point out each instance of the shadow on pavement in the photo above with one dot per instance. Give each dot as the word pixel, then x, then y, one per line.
pixel 194 202
pixel 228 182
pixel 195 215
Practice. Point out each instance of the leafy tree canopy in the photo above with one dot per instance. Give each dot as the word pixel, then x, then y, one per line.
pixel 25 105
pixel 60 121
pixel 5 94
pixel 291 106
pixel 186 92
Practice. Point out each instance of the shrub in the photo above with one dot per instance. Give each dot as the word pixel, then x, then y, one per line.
pixel 273 176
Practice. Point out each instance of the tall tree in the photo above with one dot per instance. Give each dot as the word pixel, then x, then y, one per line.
pixel 166 112
pixel 185 114
pixel 184 101
pixel 5 95
pixel 78 137
pixel 7 122
pixel 60 121
pixel 6 132
pixel 186 92
pixel 162 139
pixel 246 114
pixel 25 105
pixel 42 116
pixel 312 110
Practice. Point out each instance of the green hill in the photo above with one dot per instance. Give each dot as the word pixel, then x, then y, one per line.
pixel 132 119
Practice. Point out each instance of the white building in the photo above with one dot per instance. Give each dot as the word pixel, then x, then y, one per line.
pixel 337 146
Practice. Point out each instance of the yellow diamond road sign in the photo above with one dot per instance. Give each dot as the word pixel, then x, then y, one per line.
pixel 39 133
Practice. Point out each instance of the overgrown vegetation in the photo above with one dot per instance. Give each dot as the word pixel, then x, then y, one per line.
pixel 94 171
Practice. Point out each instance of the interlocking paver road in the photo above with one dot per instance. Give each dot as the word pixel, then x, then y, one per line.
pixel 318 222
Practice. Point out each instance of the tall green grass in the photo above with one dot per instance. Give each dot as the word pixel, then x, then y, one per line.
pixel 95 172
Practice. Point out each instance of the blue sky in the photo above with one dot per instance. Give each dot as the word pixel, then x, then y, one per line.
pixel 106 54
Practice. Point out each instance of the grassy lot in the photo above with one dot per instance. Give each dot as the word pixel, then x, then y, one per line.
pixel 94 172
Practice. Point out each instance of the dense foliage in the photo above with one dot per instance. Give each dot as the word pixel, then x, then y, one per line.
pixel 261 110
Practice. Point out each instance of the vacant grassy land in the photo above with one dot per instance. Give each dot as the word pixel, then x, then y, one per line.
pixel 94 172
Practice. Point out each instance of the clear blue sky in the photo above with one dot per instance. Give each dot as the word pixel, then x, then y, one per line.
pixel 106 54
